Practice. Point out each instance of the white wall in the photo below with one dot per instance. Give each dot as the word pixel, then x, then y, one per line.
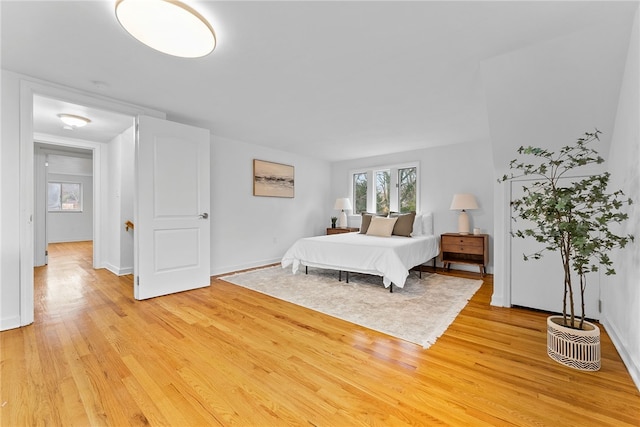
pixel 547 95
pixel 119 206
pixel 621 293
pixel 72 226
pixel 10 206
pixel 444 171
pixel 248 231
pixel 127 181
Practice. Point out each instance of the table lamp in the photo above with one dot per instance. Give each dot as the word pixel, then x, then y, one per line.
pixel 342 204
pixel 463 202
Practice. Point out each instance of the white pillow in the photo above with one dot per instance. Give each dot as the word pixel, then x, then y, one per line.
pixel 417 225
pixel 380 226
pixel 427 224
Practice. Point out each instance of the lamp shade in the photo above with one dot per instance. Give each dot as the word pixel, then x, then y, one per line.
pixel 342 204
pixel 463 202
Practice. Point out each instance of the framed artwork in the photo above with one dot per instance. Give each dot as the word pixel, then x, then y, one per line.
pixel 272 179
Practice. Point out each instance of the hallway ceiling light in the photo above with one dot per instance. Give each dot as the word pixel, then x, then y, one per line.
pixel 168 26
pixel 73 120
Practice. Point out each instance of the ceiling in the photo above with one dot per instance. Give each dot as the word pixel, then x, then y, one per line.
pixel 331 80
pixel 104 126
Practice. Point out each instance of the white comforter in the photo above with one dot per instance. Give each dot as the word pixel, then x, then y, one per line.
pixel 389 257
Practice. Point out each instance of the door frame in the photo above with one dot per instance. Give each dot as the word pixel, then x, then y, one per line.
pixel 96 153
pixel 28 88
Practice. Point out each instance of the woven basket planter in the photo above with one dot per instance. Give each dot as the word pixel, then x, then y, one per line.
pixel 576 348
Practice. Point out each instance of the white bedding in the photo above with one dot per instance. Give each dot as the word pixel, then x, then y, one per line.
pixel 389 257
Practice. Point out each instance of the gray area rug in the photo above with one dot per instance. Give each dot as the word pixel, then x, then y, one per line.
pixel 419 313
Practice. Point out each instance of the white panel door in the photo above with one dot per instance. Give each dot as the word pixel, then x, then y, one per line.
pixel 172 231
pixel 539 283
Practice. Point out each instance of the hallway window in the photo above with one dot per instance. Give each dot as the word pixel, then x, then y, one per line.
pixel 64 197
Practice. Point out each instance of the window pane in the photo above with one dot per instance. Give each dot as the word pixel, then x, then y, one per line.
pixel 382 191
pixel 53 196
pixel 360 192
pixel 70 197
pixel 407 189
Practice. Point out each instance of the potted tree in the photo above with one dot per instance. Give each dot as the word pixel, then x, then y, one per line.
pixel 570 215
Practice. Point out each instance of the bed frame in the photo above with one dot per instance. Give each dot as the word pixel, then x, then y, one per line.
pixel 306 271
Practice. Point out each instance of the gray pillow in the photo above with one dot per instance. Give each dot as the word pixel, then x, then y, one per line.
pixel 404 224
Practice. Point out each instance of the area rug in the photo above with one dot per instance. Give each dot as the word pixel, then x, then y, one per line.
pixel 419 313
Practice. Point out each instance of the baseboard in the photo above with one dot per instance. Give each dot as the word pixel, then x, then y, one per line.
pixel 7 323
pixel 119 271
pixel 634 370
pixel 498 301
pixel 232 269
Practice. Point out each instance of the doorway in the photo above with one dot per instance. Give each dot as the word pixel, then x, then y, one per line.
pixel 95 142
pixel 64 194
pixel 95 149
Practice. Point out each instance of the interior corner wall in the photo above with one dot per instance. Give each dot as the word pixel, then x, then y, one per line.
pixel 249 231
pixel 444 171
pixel 112 207
pixel 127 185
pixel 548 94
pixel 119 189
pixel 10 191
pixel 620 292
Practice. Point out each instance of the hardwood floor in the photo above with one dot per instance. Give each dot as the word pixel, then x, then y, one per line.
pixel 225 355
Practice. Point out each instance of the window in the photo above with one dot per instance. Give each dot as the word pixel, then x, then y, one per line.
pixel 359 192
pixel 407 181
pixel 383 193
pixel 394 189
pixel 64 197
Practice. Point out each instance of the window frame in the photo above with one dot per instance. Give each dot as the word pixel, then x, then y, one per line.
pixel 80 195
pixel 394 197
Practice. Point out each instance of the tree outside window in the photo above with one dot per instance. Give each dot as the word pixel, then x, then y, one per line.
pixel 64 197
pixel 360 192
pixel 383 193
pixel 407 178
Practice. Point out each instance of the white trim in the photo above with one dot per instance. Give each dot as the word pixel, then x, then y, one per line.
pixel 502 252
pixel 238 267
pixel 28 88
pixel 10 323
pixel 119 271
pixel 634 370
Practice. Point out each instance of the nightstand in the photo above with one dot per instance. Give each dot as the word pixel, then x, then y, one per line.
pixel 465 249
pixel 338 230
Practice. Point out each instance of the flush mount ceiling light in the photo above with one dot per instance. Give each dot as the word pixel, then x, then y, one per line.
pixel 73 120
pixel 168 26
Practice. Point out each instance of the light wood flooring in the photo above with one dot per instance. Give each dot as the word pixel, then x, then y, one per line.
pixel 225 355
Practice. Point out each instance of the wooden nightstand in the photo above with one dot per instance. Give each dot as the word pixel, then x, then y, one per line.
pixel 465 249
pixel 339 230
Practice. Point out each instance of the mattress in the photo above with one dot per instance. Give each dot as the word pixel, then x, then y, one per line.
pixel 390 257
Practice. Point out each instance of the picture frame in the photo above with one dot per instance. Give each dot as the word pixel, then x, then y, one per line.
pixel 272 179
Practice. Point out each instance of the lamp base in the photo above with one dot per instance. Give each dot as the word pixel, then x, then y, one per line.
pixel 463 223
pixel 342 219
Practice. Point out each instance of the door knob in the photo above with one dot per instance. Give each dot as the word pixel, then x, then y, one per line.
pixel 204 215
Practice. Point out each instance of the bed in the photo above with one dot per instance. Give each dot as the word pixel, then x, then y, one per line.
pixel 390 257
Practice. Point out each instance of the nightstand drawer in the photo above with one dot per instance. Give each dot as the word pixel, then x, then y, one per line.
pixel 462 241
pixel 463 248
